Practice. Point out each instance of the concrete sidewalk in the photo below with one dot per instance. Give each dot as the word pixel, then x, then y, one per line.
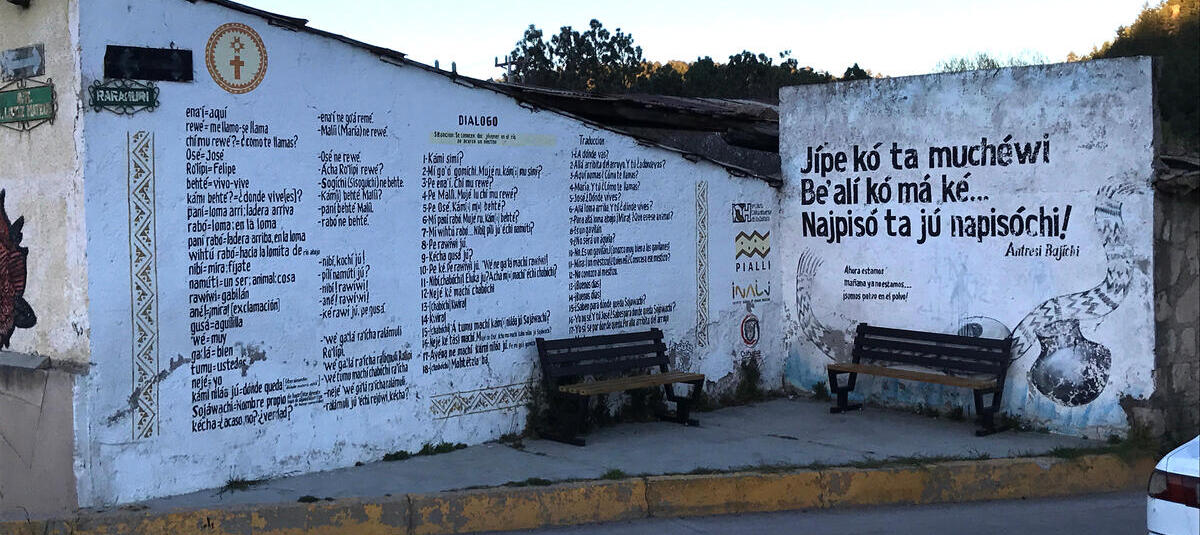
pixel 775 442
pixel 779 432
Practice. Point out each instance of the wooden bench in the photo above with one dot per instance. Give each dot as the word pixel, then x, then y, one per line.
pixel 614 363
pixel 980 364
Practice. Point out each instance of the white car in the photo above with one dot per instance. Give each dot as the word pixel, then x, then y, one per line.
pixel 1172 507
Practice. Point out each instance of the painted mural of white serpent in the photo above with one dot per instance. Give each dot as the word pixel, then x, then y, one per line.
pixel 1070 369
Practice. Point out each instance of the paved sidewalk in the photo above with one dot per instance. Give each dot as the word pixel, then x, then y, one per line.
pixel 781 455
pixel 778 432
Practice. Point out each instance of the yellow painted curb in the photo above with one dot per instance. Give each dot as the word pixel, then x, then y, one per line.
pixel 528 507
pixel 513 508
pixel 322 518
pixel 958 481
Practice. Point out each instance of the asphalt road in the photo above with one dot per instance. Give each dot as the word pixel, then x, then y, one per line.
pixel 1118 514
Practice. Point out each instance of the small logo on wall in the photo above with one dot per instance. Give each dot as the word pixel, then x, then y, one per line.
pixel 750 212
pixel 14 310
pixel 749 246
pixel 753 244
pixel 750 330
pixel 236 58
pixel 751 293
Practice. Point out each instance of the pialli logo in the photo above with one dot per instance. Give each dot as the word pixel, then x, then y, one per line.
pixel 753 244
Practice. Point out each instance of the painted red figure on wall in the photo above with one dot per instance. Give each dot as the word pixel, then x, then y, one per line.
pixel 14 310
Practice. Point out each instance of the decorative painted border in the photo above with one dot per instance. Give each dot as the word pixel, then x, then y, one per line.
pixel 702 263
pixel 482 400
pixel 143 278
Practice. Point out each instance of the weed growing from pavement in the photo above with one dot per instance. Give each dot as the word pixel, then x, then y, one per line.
pixel 1140 443
pixel 396 456
pixel 703 470
pixel 614 473
pixel 534 482
pixel 237 483
pixel 427 449
pixel 513 440
pixel 821 391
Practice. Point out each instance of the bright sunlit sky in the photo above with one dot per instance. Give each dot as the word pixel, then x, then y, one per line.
pixel 891 37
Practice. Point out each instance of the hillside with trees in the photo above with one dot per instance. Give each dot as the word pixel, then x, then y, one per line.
pixel 1170 31
pixel 597 60
pixel 602 61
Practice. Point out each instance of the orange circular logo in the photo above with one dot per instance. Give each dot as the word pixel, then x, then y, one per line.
pixel 236 58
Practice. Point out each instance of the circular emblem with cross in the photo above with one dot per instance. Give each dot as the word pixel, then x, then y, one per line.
pixel 236 58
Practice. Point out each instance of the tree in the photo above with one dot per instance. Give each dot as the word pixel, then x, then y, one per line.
pixel 854 72
pixel 983 60
pixel 597 60
pixel 531 59
pixel 1170 31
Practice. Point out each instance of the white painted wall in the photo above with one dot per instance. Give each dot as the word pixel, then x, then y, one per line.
pixel 145 429
pixel 1096 118
pixel 41 175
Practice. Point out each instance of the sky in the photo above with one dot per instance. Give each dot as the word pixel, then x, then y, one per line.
pixel 889 37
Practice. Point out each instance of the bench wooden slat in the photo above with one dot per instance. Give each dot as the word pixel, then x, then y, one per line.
pixel 602 367
pixel 629 383
pixel 926 361
pixel 563 357
pixel 609 360
pixel 872 331
pixel 599 340
pixel 939 348
pixel 895 373
pixel 946 356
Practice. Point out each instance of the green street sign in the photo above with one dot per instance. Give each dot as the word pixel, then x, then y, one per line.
pixel 26 107
pixel 123 97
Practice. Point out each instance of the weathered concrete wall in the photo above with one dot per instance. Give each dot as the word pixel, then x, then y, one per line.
pixel 41 178
pixel 331 257
pixel 43 300
pixel 36 446
pixel 986 203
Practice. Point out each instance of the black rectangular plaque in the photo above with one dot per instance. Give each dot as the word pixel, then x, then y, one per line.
pixel 137 63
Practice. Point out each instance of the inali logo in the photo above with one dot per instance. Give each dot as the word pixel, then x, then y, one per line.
pixel 750 330
pixel 753 244
pixel 751 292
